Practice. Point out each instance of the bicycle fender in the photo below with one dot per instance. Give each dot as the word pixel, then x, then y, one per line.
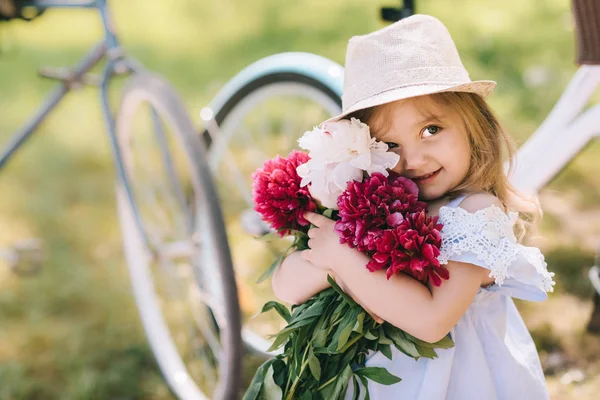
pixel 324 70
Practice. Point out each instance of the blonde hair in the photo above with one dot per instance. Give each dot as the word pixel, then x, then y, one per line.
pixel 490 145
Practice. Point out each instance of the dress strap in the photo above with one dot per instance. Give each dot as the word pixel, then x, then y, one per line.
pixel 456 202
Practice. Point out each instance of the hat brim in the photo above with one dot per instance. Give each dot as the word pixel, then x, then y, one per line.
pixel 482 88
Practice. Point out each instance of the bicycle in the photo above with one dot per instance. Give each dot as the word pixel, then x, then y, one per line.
pixel 173 232
pixel 214 343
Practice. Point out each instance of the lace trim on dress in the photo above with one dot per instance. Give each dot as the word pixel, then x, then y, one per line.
pixel 488 233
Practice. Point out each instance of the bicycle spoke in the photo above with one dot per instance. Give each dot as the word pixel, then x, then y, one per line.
pixel 241 181
pixel 164 147
pixel 195 322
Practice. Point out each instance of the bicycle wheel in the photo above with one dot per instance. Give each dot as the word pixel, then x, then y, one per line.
pixel 176 245
pixel 264 118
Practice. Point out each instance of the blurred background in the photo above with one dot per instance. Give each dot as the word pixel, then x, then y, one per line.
pixel 72 331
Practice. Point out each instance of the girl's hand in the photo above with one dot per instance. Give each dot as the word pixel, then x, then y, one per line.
pixel 324 251
pixel 324 243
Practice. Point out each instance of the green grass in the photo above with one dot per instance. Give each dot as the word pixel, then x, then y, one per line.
pixel 72 332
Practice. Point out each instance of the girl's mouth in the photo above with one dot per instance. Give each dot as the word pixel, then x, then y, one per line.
pixel 428 177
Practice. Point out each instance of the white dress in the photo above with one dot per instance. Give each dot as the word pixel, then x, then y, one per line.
pixel 494 357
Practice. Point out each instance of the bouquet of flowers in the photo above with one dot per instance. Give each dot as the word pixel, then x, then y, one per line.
pixel 344 176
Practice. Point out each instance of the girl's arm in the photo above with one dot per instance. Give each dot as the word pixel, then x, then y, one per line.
pixel 296 279
pixel 428 314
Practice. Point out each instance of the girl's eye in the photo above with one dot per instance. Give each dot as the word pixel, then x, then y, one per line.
pixel 431 130
pixel 391 145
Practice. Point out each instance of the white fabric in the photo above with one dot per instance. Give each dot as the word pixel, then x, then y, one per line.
pixel 486 237
pixel 494 357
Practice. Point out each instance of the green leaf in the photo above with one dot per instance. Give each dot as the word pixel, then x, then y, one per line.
pixel 349 355
pixel 363 380
pixel 378 374
pixel 299 308
pixel 268 237
pixel 280 371
pixel 402 344
pixel 280 308
pixel 301 241
pixel 345 333
pixel 277 263
pixel 294 232
pixel 314 366
pixel 253 390
pixel 328 213
pixel 298 323
pixel 270 390
pixel 306 396
pixel 356 388
pixel 386 350
pixel 270 270
pixel 358 327
pixel 341 383
pixel 326 391
pixel 315 310
pixel 338 289
pixel 383 339
pixel 445 343
pixel 369 335
pixel 426 352
pixel 320 336
pixel 344 329
pixel 280 339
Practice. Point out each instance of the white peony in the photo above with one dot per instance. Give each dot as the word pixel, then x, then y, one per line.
pixel 339 152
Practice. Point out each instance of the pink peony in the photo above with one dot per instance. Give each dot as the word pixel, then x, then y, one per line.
pixel 278 196
pixel 411 247
pixel 375 203
pixel 420 236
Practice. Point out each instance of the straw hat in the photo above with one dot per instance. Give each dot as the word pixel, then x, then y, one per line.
pixel 412 57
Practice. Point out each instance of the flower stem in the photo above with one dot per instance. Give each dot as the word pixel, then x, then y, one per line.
pixel 290 395
pixel 351 342
pixel 326 383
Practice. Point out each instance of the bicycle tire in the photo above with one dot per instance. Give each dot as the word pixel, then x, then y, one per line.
pixel 254 341
pixel 150 88
pixel 261 82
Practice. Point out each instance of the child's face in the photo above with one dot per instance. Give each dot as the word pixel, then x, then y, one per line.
pixel 431 141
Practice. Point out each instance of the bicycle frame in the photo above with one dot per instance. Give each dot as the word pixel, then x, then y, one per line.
pixel 116 64
pixel 565 132
pixel 108 49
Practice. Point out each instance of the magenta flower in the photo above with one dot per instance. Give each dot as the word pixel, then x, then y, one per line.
pixel 421 238
pixel 411 247
pixel 375 203
pixel 278 196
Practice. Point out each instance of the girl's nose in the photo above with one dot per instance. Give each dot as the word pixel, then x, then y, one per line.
pixel 412 159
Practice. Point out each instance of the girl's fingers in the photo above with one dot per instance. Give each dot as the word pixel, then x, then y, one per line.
pixel 316 219
pixel 312 232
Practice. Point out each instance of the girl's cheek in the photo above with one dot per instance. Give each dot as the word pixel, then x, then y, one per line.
pixel 398 169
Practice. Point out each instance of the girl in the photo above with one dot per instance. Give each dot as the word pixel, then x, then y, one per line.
pixel 408 84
